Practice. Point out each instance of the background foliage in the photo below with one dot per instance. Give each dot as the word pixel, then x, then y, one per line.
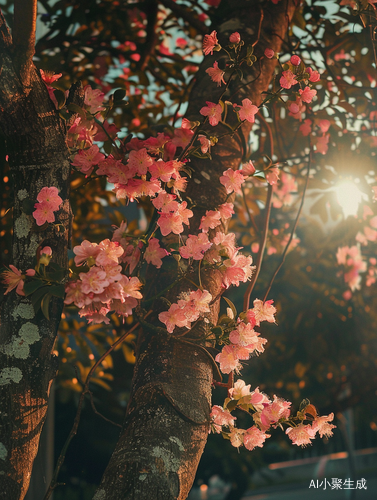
pixel 324 347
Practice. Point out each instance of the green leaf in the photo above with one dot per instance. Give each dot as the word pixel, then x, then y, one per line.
pixel 64 115
pixel 28 206
pixel 56 275
pixel 45 305
pixel 232 306
pixel 76 109
pixel 37 297
pixel 108 146
pixel 119 95
pixel 57 291
pixel 60 98
pixel 32 285
pixel 232 405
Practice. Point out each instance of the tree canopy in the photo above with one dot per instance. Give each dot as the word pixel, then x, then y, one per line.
pixel 176 116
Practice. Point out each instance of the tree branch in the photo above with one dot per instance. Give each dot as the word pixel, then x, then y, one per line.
pixel 24 25
pixel 186 15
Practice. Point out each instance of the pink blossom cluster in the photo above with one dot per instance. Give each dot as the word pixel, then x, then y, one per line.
pixel 147 165
pixel 48 202
pixel 103 288
pixel 244 340
pixel 369 231
pixel 266 414
pixel 351 258
pixel 188 309
pixel 282 193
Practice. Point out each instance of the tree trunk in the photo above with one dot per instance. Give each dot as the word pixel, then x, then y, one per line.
pixel 167 419
pixel 38 157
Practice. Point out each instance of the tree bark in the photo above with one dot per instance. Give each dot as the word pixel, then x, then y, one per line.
pixel 38 157
pixel 167 419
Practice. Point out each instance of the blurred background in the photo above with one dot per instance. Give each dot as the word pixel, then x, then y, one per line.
pixel 324 347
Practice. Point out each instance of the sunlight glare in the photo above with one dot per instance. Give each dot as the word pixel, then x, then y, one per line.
pixel 349 197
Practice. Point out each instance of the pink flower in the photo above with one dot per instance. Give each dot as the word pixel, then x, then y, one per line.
pixel 209 43
pixel 94 99
pixel 236 437
pixel 254 437
pixel 165 202
pixel 321 424
pixel 226 210
pixel 235 37
pixel 49 77
pixel 173 221
pixel 273 412
pixel 195 246
pixel 307 94
pixel 139 161
pixel 228 359
pixel 324 125
pixel 232 180
pixel 244 334
pixel 210 220
pixel 131 287
pixel 175 316
pixel 164 169
pixel 221 417
pixel 301 435
pixel 205 144
pixel 306 127
pixel 295 60
pixel 237 269
pixel 43 213
pixel 322 144
pixel 247 111
pixel 288 79
pixel 216 74
pixel 94 280
pixel 154 253
pixel 213 111
pixel 272 175
pixel 264 311
pixel 109 253
pixel 182 137
pixel 181 43
pixel 86 251
pixel 86 159
pixel 14 279
pixel 240 390
pixel 248 169
pixel 314 75
pixel 269 53
pixel 107 129
pixel 50 196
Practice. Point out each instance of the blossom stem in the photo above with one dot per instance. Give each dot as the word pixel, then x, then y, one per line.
pixel 293 228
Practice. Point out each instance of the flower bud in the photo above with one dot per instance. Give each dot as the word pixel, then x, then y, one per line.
pixel 46 254
pixel 295 60
pixel 269 53
pixel 235 37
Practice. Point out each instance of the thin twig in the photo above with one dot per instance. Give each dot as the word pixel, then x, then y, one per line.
pixel 100 414
pixel 293 229
pixel 262 246
pixel 53 483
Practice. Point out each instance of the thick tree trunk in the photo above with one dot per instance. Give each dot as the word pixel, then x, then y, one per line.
pixel 38 157
pixel 167 420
